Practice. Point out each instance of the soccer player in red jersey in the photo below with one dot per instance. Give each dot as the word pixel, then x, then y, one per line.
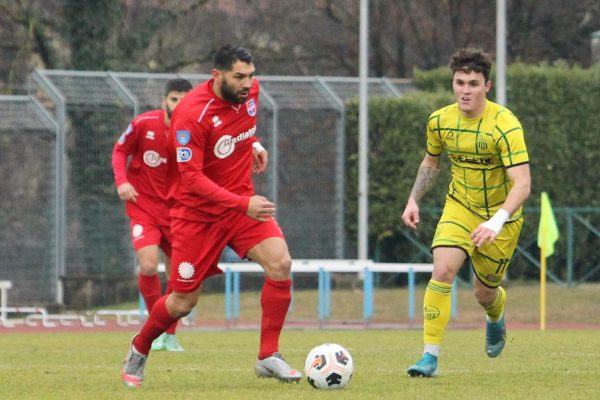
pixel 213 204
pixel 143 187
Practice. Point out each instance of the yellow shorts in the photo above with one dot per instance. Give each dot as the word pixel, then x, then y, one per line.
pixel 489 261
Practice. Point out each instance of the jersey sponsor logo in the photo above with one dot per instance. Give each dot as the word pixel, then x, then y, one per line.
pixel 153 159
pixel 124 134
pixel 150 135
pixel 184 154
pixel 226 143
pixel 251 107
pixel 470 159
pixel 186 271
pixel 183 137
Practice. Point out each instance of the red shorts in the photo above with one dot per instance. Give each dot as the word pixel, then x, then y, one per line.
pixel 147 230
pixel 197 246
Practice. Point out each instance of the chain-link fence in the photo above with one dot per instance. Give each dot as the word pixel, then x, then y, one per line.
pixel 28 170
pixel 301 123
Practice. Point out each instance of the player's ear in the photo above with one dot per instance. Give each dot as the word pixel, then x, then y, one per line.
pixel 488 86
pixel 216 75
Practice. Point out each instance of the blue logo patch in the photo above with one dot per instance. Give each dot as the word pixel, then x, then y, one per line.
pixel 183 137
pixel 251 107
pixel 125 134
pixel 184 154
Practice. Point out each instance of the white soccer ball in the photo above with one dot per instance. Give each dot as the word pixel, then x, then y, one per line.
pixel 328 366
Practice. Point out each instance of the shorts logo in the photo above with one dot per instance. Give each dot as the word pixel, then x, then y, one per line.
pixel 153 159
pixel 184 154
pixel 493 278
pixel 183 137
pixel 251 107
pixel 186 270
pixel 430 312
pixel 137 231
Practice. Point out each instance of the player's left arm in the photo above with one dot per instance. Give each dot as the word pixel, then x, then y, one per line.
pixel 260 156
pixel 519 192
pixel 520 179
pixel 511 143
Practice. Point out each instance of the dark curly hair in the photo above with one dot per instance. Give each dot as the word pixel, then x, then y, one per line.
pixel 468 60
pixel 178 85
pixel 229 54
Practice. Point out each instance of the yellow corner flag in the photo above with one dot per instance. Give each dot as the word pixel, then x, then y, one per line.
pixel 547 235
pixel 548 230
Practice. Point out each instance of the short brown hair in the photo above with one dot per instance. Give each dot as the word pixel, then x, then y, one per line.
pixel 468 60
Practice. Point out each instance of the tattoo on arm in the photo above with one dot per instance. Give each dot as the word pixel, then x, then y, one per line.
pixel 426 177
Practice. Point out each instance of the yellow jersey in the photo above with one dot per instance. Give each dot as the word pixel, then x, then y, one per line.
pixel 480 150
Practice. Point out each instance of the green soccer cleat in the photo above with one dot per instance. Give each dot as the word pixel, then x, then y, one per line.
pixel 426 367
pixel 159 343
pixel 495 337
pixel 170 343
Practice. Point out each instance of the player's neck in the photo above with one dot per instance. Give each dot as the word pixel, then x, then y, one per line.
pixel 217 90
pixel 476 112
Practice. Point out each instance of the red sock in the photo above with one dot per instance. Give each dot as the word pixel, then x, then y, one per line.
pixel 150 289
pixel 158 321
pixel 172 328
pixel 275 301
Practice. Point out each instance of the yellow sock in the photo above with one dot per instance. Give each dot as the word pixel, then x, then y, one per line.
pixel 495 310
pixel 436 311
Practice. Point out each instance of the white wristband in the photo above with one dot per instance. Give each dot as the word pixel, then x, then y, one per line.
pixel 497 221
pixel 258 147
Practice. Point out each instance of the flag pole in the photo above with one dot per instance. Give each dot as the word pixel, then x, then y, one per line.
pixel 542 290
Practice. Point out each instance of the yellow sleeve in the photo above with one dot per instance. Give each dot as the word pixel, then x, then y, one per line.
pixel 510 139
pixel 434 138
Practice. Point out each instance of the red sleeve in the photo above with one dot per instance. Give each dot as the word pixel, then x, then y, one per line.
pixel 200 184
pixel 119 164
pixel 191 169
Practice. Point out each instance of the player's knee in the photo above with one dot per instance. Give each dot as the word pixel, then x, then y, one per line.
pixel 484 295
pixel 148 267
pixel 181 305
pixel 279 268
pixel 443 274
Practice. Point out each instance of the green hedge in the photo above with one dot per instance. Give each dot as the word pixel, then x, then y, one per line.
pixel 559 108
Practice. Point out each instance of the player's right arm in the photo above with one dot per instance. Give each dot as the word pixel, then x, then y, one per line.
pixel 426 177
pixel 120 154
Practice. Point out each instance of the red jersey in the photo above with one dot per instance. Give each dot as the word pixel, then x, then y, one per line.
pixel 210 141
pixel 145 140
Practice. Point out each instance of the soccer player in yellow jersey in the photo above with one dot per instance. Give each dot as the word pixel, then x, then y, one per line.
pixel 483 214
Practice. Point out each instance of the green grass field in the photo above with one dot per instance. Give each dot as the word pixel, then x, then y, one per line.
pixel 564 306
pixel 555 364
